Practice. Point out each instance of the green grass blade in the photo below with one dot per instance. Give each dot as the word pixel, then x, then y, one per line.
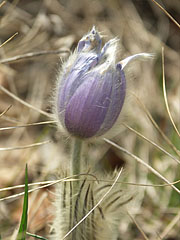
pixel 24 217
pixel 36 236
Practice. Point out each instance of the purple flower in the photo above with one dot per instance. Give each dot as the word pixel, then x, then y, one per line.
pixel 92 87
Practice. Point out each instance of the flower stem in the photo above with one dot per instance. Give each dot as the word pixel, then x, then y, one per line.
pixel 76 162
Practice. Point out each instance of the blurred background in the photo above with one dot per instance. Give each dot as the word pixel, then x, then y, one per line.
pixel 55 25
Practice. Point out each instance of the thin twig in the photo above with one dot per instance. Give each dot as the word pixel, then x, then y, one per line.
pixel 164 10
pixel 32 54
pixel 165 95
pixel 142 162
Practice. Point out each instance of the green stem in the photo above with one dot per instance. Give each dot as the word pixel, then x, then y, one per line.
pixel 75 169
pixel 76 162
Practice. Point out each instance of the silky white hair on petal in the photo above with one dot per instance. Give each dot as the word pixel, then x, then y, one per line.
pixel 140 56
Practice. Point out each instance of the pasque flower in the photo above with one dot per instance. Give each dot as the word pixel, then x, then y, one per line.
pixel 92 87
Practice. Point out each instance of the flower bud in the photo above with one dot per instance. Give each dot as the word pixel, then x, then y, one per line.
pixel 92 88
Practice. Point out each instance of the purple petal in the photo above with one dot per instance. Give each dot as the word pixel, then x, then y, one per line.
pixel 87 109
pixel 117 99
pixel 73 79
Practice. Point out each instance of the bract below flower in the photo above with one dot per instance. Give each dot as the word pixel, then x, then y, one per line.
pixel 92 87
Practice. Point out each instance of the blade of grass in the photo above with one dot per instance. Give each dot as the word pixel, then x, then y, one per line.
pixel 50 183
pixel 156 126
pixel 11 119
pixel 24 217
pixel 9 39
pixel 177 24
pixel 139 160
pixel 33 54
pixel 153 143
pixel 24 147
pixel 170 226
pixel 5 111
pixel 26 125
pixel 23 102
pixel 138 226
pixel 1 4
pixel 36 236
pixel 165 95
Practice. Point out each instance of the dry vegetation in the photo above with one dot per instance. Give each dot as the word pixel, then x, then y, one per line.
pixel 56 26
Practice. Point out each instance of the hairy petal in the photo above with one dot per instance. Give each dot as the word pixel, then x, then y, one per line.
pixel 141 56
pixel 87 109
pixel 91 41
pixel 74 78
pixel 117 99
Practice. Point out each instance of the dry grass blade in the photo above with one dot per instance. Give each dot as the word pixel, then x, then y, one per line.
pixel 153 143
pixel 165 95
pixel 99 202
pixel 9 39
pixel 45 184
pixel 23 102
pixel 164 10
pixel 170 226
pixel 32 54
pixel 5 111
pixel 143 163
pixel 1 4
pixel 138 226
pixel 22 185
pixel 24 147
pixel 32 190
pixel 12 120
pixel 99 180
pixel 27 125
pixel 157 127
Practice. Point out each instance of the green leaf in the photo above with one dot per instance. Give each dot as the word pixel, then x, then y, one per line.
pixel 24 217
pixel 36 236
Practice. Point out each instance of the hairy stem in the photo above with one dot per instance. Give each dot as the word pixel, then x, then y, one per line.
pixel 76 162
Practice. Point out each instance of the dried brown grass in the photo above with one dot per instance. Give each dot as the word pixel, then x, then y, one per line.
pixel 53 25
